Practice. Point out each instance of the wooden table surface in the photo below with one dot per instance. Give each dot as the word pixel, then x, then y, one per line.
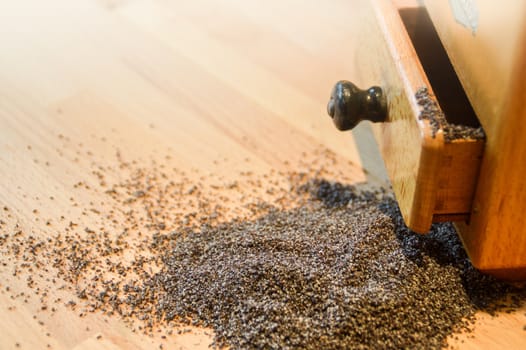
pixel 244 82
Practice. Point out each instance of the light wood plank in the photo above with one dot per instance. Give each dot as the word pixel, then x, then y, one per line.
pixel 80 80
pixel 491 65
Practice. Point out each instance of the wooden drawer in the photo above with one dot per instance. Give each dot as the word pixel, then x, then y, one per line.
pixel 432 175
pixel 486 43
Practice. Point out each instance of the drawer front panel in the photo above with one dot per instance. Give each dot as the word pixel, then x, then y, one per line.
pixel 433 179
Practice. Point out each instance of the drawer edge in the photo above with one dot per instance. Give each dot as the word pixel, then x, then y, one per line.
pixel 437 181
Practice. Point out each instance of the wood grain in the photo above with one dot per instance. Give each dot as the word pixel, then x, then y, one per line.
pixel 458 174
pixel 486 60
pixel 431 178
pixel 219 87
pixel 490 64
pixel 410 153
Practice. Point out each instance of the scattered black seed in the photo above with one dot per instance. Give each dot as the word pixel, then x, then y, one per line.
pixel 315 264
pixel 326 275
pixel 431 112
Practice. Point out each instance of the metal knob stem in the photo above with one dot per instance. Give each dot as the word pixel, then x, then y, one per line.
pixel 349 105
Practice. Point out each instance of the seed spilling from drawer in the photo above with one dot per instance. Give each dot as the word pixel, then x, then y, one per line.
pixel 432 113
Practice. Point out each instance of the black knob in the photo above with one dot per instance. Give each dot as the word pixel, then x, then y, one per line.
pixel 349 105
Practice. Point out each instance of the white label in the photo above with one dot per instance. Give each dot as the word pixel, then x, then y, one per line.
pixel 466 13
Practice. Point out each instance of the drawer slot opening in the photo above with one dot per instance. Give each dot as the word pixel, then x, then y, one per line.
pixel 439 70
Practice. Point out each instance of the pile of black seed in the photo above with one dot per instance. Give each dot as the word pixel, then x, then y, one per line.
pixel 305 264
pixel 340 271
pixel 432 113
